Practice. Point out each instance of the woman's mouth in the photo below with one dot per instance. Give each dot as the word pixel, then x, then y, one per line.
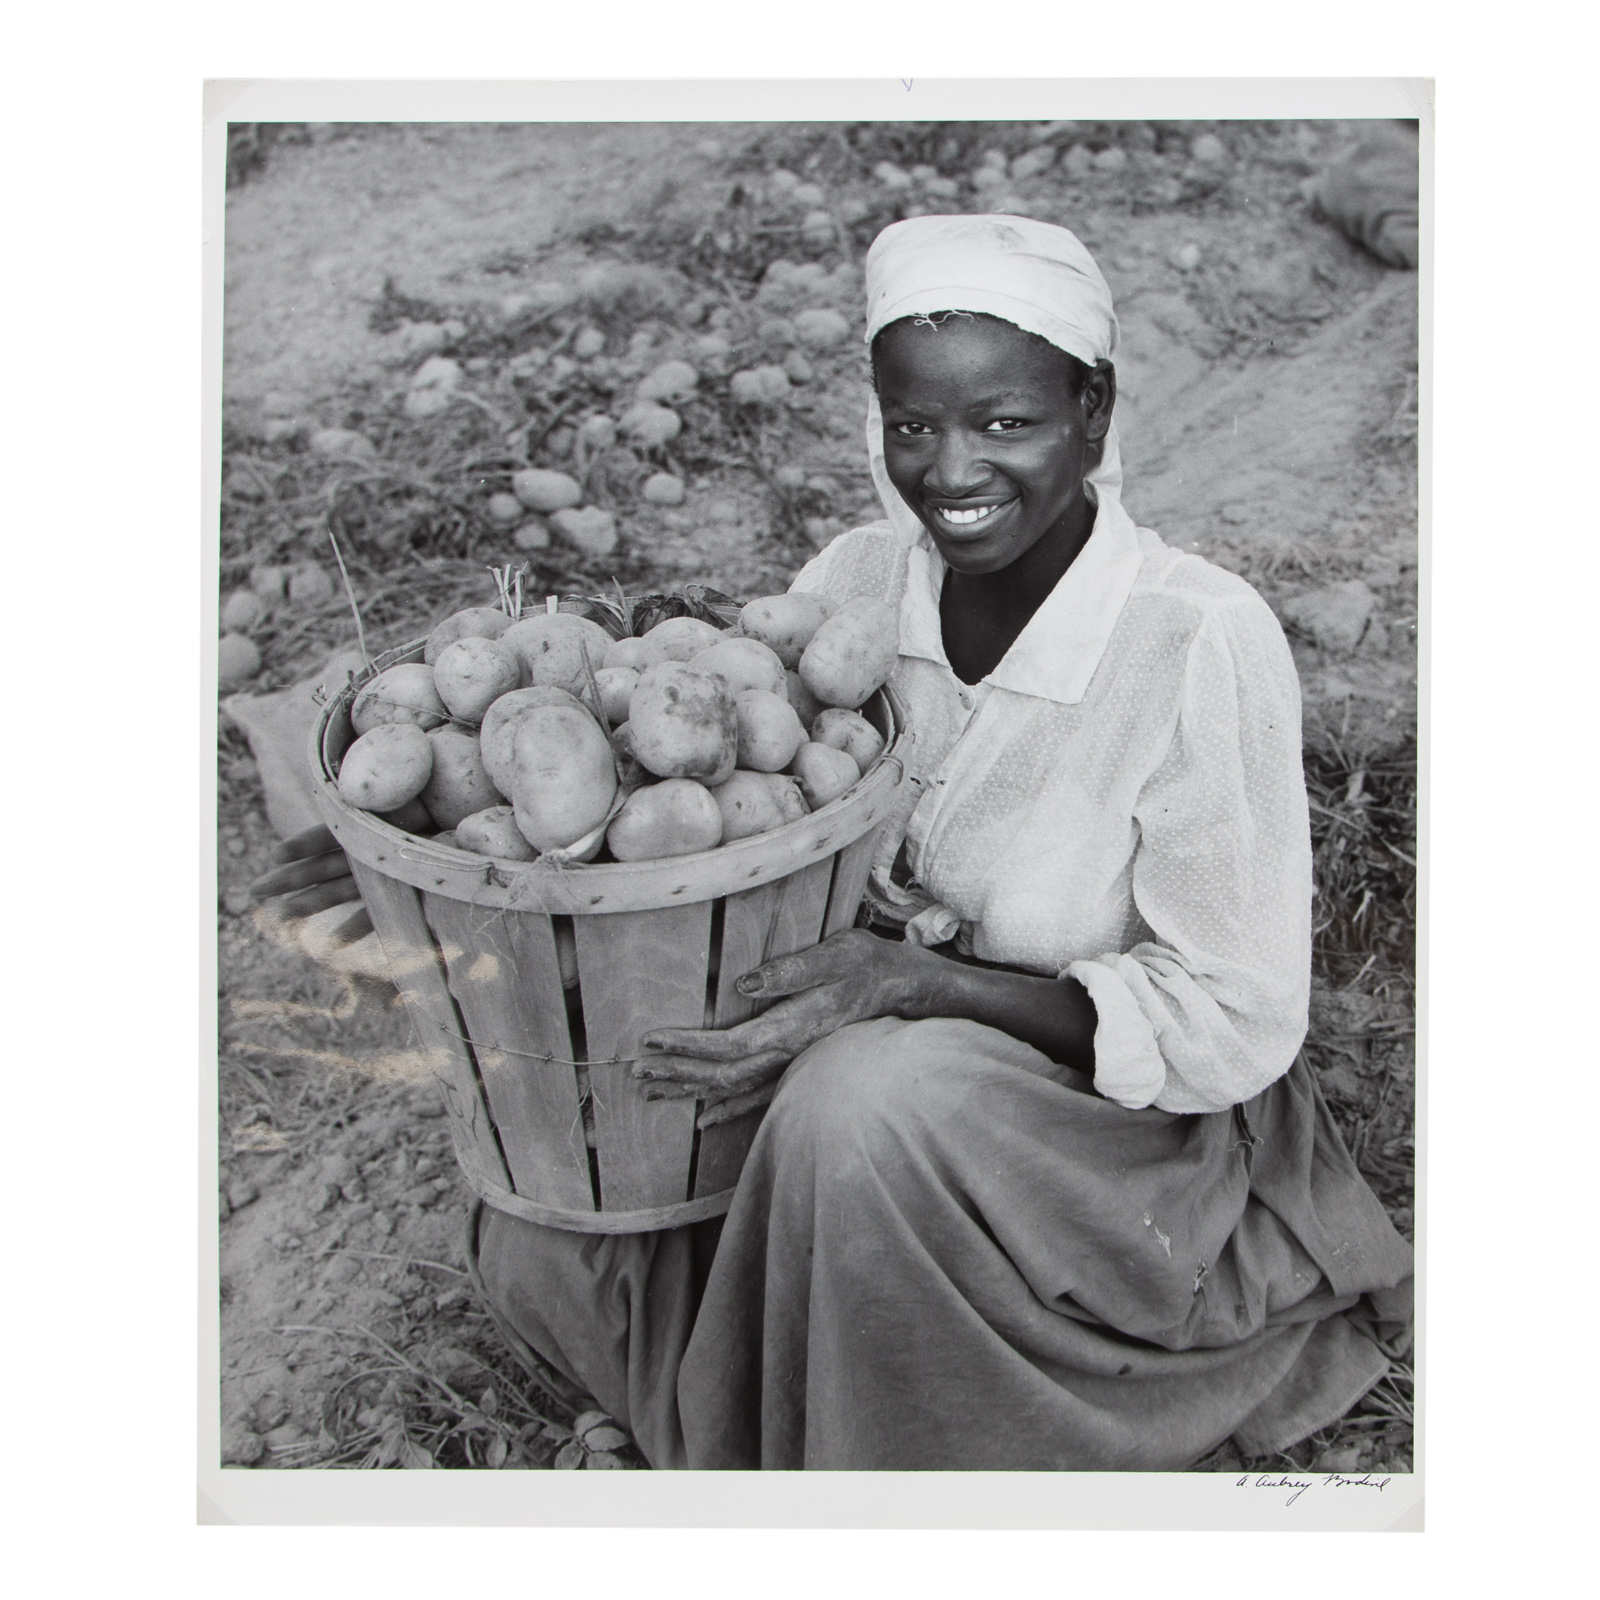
pixel 966 518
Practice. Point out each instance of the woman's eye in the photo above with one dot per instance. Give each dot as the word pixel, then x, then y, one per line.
pixel 911 430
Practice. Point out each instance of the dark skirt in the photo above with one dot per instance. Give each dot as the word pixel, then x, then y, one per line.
pixel 945 1253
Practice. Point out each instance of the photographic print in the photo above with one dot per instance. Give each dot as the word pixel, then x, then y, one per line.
pixel 817 760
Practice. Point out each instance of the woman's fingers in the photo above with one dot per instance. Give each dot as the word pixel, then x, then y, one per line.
pixel 308 902
pixel 681 1077
pixel 709 1044
pixel 301 874
pixel 736 1105
pixel 356 926
pixel 317 841
pixel 841 956
pixel 789 1026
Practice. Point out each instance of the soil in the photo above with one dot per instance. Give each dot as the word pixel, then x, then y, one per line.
pixel 1267 406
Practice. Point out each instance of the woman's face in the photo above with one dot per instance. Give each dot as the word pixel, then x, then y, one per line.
pixel 985 435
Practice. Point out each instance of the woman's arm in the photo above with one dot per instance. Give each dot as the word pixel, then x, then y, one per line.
pixel 850 978
pixel 1054 1015
pixel 1211 1007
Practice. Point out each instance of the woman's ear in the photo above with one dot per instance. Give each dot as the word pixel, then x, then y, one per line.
pixel 1099 399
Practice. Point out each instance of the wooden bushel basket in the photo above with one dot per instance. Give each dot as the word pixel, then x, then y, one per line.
pixel 478 948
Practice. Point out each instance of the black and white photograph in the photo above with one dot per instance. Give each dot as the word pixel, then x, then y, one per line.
pixel 817 756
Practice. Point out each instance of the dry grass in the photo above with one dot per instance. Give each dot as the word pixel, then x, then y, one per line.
pixel 442 1392
pixel 1364 831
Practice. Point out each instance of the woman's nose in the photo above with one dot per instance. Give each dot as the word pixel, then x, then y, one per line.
pixel 958 468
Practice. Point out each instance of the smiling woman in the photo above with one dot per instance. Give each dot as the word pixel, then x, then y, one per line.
pixel 988 433
pixel 1044 1182
pixel 980 419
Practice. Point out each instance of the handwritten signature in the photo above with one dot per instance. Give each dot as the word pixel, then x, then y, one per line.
pixel 1295 1487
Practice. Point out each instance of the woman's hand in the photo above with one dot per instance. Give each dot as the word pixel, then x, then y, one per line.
pixel 848 978
pixel 298 898
pixel 315 875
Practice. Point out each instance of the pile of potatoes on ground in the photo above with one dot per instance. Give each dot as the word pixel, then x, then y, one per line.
pixel 546 734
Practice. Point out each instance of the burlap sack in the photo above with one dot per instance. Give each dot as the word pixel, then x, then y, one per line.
pixel 278 726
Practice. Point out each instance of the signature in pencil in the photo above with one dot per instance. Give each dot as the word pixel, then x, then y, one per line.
pixel 1295 1487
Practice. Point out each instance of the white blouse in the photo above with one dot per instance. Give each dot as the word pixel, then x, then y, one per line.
pixel 1120 801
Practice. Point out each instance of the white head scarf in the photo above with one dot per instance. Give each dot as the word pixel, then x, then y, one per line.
pixel 1033 275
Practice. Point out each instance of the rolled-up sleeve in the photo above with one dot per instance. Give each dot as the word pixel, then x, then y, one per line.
pixel 1212 1009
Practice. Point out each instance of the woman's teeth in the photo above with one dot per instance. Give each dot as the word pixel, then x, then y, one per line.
pixel 963 519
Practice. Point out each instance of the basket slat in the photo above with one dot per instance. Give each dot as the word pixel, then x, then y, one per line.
pixel 658 960
pixel 774 920
pixel 506 978
pixel 801 906
pixel 722 1152
pixel 852 867
pixel 413 958
pixel 747 918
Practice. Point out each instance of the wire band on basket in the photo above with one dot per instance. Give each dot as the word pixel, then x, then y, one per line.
pixel 535 1055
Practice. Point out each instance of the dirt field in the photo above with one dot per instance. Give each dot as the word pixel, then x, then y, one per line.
pixel 1268 412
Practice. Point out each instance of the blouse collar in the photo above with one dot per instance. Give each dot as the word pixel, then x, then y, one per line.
pixel 1056 654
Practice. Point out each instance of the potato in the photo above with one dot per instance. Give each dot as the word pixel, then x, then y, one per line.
pixel 402 694
pixel 758 386
pixel 345 442
pixel 494 832
pixel 635 653
pixel 471 674
pixel 824 773
pixel 412 817
pixel 386 767
pixel 821 327
pixel 852 653
pixel 672 380
pixel 791 802
pixel 242 610
pixel 597 434
pixel 806 705
pixel 676 817
pixel 309 584
pixel 769 730
pixel 851 732
pixel 504 717
pixel 589 529
pixel 551 648
pixel 785 623
pixel 476 622
pixel 458 784
pixel 649 425
pixel 504 510
pixel 541 490
pixel 678 638
pixel 682 724
pixel 741 664
pixel 757 802
pixel 238 661
pixel 616 686
pixel 662 489
pixel 563 777
pixel 271 583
